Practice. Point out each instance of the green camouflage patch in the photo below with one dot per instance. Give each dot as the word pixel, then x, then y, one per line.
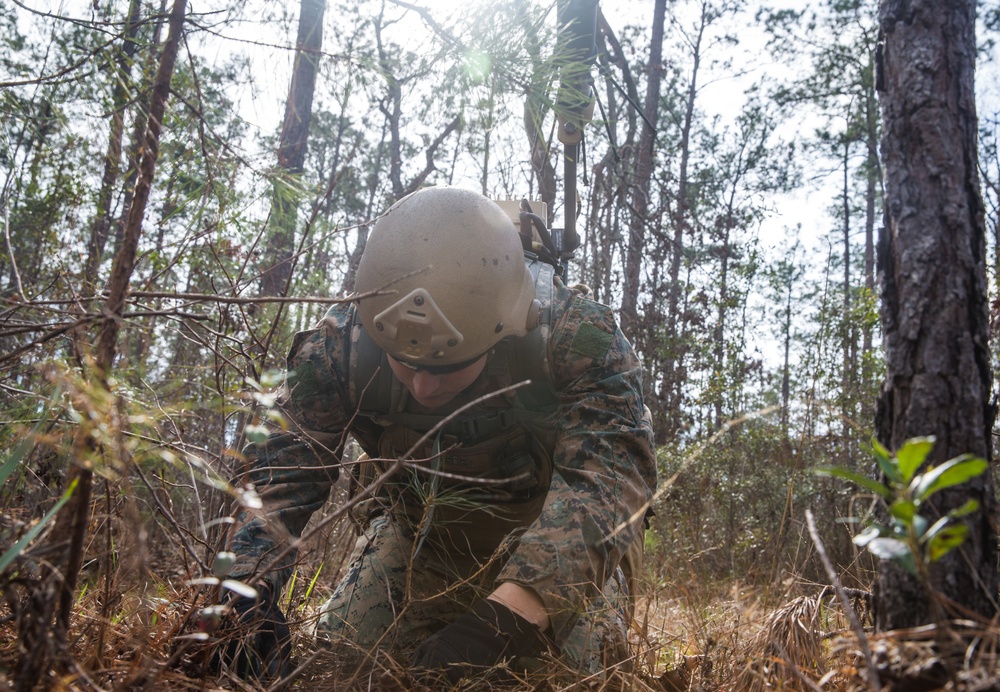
pixel 591 341
pixel 302 381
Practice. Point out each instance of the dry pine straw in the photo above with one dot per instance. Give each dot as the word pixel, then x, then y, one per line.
pixel 730 644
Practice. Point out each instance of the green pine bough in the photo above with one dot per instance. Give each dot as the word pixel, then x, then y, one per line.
pixel 910 539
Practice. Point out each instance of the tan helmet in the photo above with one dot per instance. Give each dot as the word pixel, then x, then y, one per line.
pixel 448 268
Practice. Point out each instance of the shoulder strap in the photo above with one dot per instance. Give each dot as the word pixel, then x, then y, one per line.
pixel 522 353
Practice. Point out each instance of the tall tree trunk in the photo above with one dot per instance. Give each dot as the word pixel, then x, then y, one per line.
pixel 718 369
pixel 134 150
pixel 674 367
pixel 72 521
pixel 112 159
pixel 786 362
pixel 847 324
pixel 873 175
pixel 292 147
pixel 932 265
pixel 608 193
pixel 536 106
pixel 639 189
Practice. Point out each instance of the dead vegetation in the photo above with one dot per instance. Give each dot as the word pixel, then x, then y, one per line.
pixel 136 633
pixel 735 598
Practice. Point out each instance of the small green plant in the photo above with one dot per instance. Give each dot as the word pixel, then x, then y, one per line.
pixel 911 539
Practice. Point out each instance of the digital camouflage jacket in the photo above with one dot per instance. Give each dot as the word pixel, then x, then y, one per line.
pixel 596 434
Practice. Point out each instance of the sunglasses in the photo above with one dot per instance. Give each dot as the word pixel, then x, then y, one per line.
pixel 437 369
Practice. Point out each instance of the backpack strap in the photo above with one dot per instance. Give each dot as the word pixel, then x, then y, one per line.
pixel 527 357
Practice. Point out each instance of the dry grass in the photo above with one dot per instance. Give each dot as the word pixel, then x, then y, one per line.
pixel 789 647
pixel 713 637
pixel 694 631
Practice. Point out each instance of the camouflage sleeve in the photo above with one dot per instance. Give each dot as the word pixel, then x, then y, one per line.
pixel 294 469
pixel 604 466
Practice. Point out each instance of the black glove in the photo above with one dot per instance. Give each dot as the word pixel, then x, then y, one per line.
pixel 478 640
pixel 261 646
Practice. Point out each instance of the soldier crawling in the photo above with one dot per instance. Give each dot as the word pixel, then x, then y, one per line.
pixel 511 535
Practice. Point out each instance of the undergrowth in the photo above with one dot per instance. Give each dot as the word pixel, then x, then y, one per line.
pixel 734 598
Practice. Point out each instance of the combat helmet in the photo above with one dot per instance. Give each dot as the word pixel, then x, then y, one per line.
pixel 442 278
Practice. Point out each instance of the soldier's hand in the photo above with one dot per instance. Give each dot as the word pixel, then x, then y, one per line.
pixel 260 645
pixel 477 641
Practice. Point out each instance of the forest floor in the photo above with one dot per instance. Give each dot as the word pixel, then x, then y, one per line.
pixel 709 637
pixel 138 627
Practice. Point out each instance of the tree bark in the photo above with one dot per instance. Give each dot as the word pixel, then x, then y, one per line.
pixel 639 187
pixel 849 345
pixel 292 147
pixel 112 159
pixel 932 269
pixel 873 173
pixel 536 106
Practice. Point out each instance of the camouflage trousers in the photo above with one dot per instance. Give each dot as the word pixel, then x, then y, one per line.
pixel 391 599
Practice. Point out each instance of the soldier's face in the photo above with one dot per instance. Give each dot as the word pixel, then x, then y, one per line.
pixel 434 390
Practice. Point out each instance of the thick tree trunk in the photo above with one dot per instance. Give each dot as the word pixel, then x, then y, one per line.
pixel 933 276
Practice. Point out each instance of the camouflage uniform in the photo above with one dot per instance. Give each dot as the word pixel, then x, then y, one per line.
pixel 434 542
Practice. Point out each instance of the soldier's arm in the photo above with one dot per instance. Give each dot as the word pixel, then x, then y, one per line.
pixel 604 467
pixel 294 469
pixel 524 601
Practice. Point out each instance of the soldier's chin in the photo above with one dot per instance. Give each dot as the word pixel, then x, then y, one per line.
pixel 435 401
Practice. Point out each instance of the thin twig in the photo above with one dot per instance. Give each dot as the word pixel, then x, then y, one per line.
pixel 213 298
pixel 6 232
pixel 873 676
pixel 170 517
pixel 285 681
pixel 790 664
pixel 14 355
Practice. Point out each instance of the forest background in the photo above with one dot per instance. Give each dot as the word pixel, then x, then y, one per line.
pixel 730 198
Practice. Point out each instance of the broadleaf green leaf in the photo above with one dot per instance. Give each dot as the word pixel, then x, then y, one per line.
pixel 949 474
pixel 256 433
pixel 888 548
pixel 240 588
pixel 867 536
pixel 222 563
pixel 935 529
pixel 864 481
pixel 947 540
pixel 888 466
pixel 965 510
pixel 912 454
pixel 878 449
pixel 903 509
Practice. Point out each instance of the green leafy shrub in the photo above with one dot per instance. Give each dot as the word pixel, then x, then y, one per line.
pixel 910 538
